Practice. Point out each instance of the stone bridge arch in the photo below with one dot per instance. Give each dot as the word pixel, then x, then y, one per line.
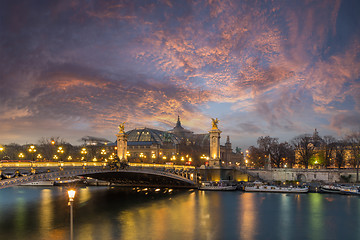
pixel 301 177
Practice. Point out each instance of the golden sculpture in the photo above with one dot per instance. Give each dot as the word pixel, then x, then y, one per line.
pixel 215 123
pixel 122 127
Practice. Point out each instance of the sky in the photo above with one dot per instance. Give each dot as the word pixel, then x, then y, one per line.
pixel 277 68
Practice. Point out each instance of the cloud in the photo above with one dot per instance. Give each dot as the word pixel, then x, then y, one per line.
pixel 145 63
pixel 250 128
pixel 345 122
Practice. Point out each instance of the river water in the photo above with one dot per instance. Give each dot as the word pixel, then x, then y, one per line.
pixel 113 213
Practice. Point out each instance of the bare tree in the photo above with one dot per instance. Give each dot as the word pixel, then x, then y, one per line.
pixel 12 151
pixel 328 147
pixel 267 143
pixel 48 147
pixel 354 143
pixel 290 156
pixel 340 153
pixel 279 153
pixel 256 157
pixel 305 147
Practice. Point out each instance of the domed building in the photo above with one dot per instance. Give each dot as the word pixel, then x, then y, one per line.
pixel 177 145
pixel 149 145
pixel 181 132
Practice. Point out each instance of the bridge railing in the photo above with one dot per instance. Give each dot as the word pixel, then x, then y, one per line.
pixel 86 164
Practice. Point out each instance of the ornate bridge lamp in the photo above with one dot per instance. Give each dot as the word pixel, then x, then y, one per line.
pixel 71 194
pixel 60 152
pixel 83 153
pixel 21 156
pixel 32 151
pixel 103 157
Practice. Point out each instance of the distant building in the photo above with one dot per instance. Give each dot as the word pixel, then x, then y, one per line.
pixel 151 145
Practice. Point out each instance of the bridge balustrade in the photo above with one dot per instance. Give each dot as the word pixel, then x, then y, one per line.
pixel 63 169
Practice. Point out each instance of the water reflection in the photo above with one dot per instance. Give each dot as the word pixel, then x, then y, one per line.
pixel 46 213
pixel 20 215
pixel 248 215
pixel 285 216
pixel 315 216
pixel 103 213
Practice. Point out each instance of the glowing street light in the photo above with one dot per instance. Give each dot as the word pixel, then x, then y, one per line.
pixel 71 194
pixel 60 150
pixel 83 151
pixel 32 151
pixel 1 150
pixel 39 156
pixel 21 155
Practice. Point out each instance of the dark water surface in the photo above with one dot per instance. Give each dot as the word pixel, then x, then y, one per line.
pixel 104 213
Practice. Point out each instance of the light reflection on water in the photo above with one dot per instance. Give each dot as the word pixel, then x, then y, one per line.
pixel 316 215
pixel 248 216
pixel 102 213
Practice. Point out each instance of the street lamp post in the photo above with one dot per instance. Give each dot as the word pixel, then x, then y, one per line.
pixel 83 159
pixel 1 151
pixel 71 194
pixel 32 151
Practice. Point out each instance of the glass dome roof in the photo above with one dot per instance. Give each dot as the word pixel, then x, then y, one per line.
pixel 151 135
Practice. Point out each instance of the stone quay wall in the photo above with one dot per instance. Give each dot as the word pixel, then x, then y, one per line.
pixel 305 175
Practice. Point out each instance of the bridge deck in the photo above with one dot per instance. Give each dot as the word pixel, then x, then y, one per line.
pixel 159 175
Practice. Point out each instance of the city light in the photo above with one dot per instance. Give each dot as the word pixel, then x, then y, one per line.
pixel 60 150
pixel 71 194
pixel 32 149
pixel 83 151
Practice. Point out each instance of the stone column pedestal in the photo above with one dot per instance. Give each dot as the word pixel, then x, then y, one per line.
pixel 121 138
pixel 214 160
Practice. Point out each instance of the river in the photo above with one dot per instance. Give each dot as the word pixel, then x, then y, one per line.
pixel 104 213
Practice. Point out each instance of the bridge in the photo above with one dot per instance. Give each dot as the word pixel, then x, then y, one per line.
pixel 137 174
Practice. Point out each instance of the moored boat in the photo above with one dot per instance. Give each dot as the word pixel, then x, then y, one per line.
pixel 65 182
pixel 276 189
pixel 39 183
pixel 331 188
pixel 350 190
pixel 216 186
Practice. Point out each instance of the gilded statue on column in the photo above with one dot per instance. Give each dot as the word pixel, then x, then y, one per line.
pixel 215 123
pixel 122 127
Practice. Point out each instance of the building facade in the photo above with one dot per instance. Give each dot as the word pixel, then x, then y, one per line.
pixel 175 146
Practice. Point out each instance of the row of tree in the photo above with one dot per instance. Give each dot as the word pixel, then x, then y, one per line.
pixel 306 150
pixel 48 148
